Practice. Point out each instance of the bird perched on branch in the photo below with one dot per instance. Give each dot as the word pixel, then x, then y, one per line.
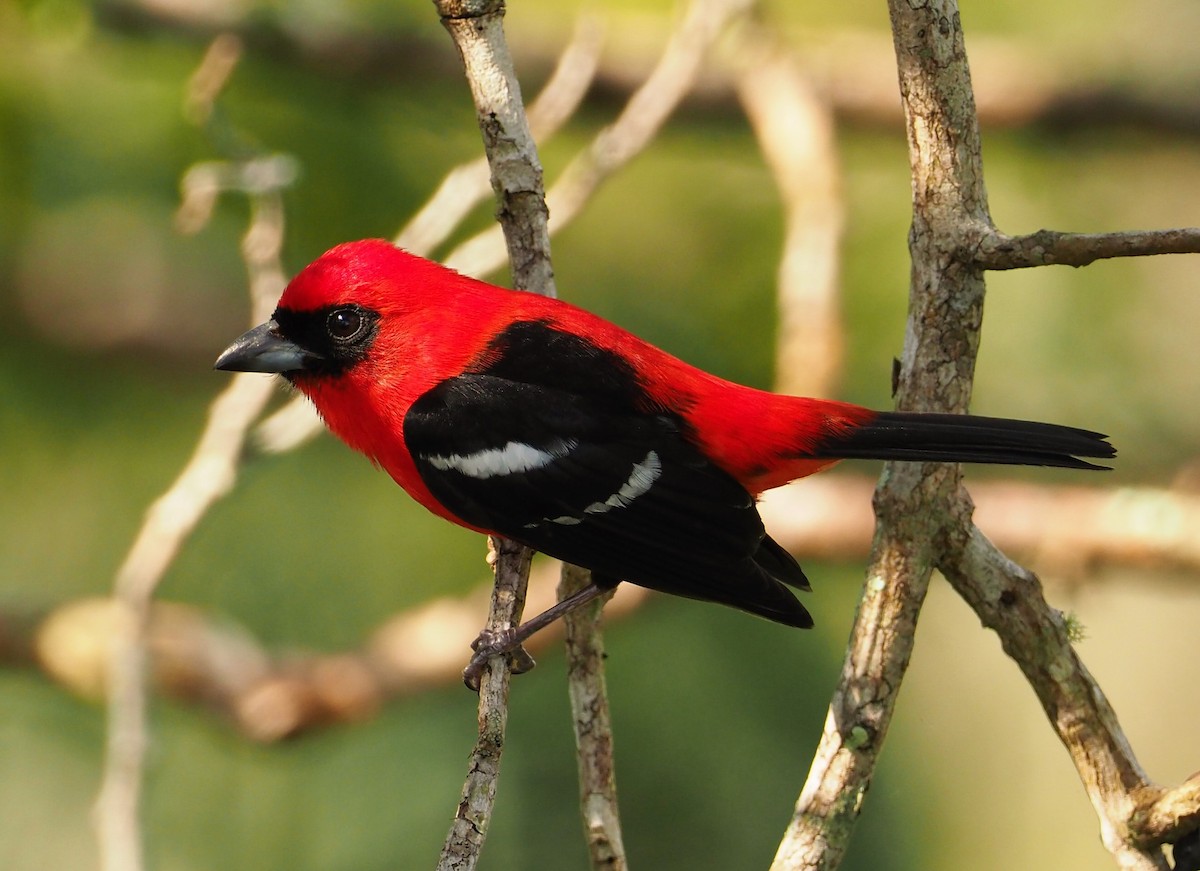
pixel 518 415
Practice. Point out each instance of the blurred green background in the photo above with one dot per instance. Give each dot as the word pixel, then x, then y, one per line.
pixel 113 320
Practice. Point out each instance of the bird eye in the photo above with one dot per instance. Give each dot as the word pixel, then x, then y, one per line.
pixel 345 324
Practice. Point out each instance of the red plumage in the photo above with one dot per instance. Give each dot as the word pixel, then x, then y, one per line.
pixel 437 321
pixel 528 417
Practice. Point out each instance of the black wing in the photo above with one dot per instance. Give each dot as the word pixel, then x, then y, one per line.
pixel 612 489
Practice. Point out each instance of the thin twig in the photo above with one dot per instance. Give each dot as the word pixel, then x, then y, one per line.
pixel 463 188
pixel 473 816
pixel 207 476
pixel 635 128
pixel 467 185
pixel 1047 247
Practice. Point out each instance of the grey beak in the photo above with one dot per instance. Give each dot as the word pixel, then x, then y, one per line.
pixel 262 349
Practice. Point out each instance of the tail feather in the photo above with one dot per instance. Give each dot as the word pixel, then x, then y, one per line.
pixel 961 438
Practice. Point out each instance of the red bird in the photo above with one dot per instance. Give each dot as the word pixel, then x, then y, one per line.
pixel 515 414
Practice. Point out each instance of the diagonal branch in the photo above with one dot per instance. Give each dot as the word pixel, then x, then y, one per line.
pixel 647 110
pixel 877 657
pixel 1008 599
pixel 463 188
pixel 209 474
pixel 466 186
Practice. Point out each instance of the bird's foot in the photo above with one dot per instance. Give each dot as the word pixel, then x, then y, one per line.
pixel 496 642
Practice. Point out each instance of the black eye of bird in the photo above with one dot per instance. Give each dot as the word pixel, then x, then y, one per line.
pixel 345 324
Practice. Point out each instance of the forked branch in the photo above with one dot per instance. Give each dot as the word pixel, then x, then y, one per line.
pixel 924 519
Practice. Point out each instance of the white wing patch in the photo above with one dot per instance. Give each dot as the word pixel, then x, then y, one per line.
pixel 512 459
pixel 640 480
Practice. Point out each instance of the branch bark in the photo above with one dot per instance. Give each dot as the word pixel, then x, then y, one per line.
pixel 1008 599
pixel 593 726
pixel 1048 247
pixel 913 502
pixel 476 27
pixel 924 515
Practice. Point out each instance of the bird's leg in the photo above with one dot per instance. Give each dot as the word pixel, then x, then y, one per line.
pixel 497 642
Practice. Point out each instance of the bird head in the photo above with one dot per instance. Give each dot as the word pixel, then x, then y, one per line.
pixel 330 316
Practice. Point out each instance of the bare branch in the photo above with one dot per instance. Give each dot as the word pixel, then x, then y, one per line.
pixel 593 726
pixel 794 128
pixel 474 812
pixel 1047 247
pixel 207 476
pixel 476 26
pixel 1008 599
pixel 913 501
pixel 467 185
pixel 1068 531
pixel 859 714
pixel 639 122
pixel 463 188
pixel 1171 815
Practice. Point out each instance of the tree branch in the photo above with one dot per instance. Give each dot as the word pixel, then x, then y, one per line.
pixel 593 726
pixel 208 475
pixel 467 185
pixel 464 842
pixel 476 26
pixel 270 695
pixel 1169 816
pixel 647 110
pixel 1008 599
pixel 1069 530
pixel 794 129
pixel 912 502
pixel 1048 247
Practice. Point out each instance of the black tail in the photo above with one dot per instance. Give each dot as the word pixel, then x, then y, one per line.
pixel 962 438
